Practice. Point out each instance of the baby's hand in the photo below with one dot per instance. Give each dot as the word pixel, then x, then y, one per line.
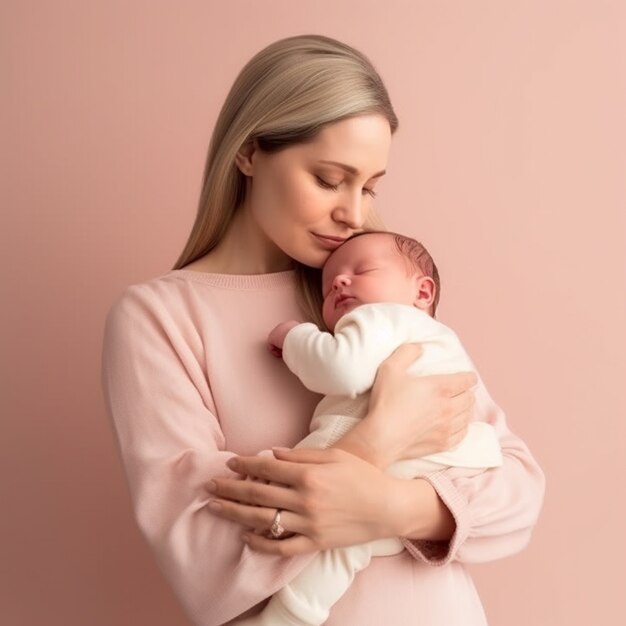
pixel 276 338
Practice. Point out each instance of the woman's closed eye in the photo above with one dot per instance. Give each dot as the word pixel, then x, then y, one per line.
pixel 327 185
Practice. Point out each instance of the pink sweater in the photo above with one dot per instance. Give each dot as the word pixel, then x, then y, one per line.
pixel 188 382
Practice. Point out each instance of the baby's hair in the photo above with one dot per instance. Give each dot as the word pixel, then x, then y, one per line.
pixel 417 256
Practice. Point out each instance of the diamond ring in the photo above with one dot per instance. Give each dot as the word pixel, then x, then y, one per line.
pixel 277 529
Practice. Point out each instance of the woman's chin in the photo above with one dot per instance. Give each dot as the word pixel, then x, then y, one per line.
pixel 314 259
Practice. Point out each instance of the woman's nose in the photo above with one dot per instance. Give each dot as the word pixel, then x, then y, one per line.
pixel 351 211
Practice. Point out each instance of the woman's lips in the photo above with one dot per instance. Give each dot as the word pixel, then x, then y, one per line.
pixel 330 243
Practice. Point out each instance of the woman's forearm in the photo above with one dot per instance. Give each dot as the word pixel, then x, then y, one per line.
pixel 419 513
pixel 364 441
pixel 414 510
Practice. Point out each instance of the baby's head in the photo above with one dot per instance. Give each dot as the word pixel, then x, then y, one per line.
pixel 378 267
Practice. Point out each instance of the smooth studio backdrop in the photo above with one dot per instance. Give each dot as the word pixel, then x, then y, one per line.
pixel 509 164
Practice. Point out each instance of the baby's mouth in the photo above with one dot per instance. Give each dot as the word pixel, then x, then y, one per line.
pixel 343 299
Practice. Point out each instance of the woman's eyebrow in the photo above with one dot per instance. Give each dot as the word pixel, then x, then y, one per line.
pixel 350 169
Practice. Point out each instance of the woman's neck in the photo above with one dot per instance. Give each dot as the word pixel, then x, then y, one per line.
pixel 244 249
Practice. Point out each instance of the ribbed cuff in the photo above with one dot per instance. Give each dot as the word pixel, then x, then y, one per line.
pixel 442 552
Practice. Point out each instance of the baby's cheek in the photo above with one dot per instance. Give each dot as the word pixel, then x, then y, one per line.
pixel 327 314
pixel 350 307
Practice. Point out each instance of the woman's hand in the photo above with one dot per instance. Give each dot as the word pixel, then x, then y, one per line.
pixel 411 416
pixel 339 496
pixel 330 498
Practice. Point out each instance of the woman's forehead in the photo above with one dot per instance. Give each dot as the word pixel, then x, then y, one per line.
pixel 361 142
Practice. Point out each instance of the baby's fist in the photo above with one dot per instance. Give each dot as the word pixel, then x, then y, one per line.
pixel 276 338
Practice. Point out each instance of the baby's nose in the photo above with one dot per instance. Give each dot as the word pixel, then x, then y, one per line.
pixel 341 280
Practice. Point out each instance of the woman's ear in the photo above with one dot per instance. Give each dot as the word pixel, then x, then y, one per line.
pixel 243 158
pixel 425 292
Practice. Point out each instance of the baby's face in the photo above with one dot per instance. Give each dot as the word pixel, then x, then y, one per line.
pixel 364 270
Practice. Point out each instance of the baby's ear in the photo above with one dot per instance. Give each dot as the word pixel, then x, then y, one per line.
pixel 425 293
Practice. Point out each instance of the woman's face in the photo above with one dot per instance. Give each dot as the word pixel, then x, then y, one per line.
pixel 307 198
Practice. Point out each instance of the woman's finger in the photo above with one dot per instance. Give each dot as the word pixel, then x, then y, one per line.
pixel 252 517
pixel 459 411
pixel 308 455
pixel 450 385
pixel 299 544
pixel 255 517
pixel 266 468
pixel 287 466
pixel 254 493
pixel 462 404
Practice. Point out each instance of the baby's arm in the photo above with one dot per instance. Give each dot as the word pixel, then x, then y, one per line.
pixel 276 338
pixel 344 363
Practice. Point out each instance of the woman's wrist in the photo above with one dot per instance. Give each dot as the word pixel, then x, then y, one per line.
pixel 365 441
pixel 413 509
pixel 418 512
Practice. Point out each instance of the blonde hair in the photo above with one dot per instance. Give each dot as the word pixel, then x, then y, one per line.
pixel 284 95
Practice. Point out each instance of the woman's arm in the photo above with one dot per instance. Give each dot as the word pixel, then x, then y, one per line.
pixel 452 513
pixel 171 444
pixel 338 497
pixel 490 514
pixel 494 511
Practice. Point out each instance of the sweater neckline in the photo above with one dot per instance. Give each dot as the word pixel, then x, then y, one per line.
pixel 238 281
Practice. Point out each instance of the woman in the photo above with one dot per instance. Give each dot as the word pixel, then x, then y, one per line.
pixel 297 151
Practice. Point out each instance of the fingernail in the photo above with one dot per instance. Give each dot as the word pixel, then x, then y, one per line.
pixel 211 486
pixel 233 463
pixel 214 505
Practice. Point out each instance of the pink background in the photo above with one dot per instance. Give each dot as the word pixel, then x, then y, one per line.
pixel 509 164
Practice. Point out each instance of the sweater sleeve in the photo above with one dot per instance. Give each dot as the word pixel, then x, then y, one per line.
pixel 344 364
pixel 171 444
pixel 495 510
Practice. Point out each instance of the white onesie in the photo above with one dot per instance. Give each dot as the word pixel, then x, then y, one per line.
pixel 343 367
